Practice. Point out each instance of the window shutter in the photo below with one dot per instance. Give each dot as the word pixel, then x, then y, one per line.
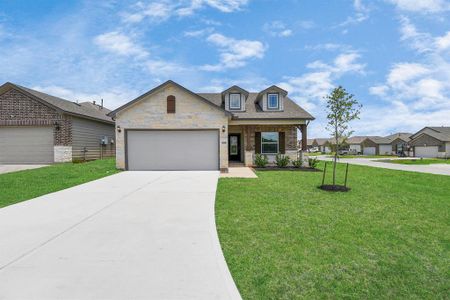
pixel 282 142
pixel 171 104
pixel 257 142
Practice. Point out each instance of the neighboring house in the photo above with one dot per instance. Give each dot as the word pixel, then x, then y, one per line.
pixel 400 143
pixel 394 144
pixel 376 145
pixel 39 128
pixel 173 128
pixel 354 144
pixel 323 144
pixel 309 144
pixel 431 142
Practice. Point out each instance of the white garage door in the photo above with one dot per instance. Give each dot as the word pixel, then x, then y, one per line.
pixel 430 151
pixel 369 151
pixel 26 145
pixel 172 150
pixel 385 149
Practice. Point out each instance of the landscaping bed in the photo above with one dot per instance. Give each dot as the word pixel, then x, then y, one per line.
pixel 23 185
pixel 275 168
pixel 387 238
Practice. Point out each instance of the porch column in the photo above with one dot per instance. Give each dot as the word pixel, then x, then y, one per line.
pixel 303 129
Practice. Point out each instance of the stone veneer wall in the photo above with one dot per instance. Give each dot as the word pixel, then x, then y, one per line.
pixel 18 109
pixel 191 113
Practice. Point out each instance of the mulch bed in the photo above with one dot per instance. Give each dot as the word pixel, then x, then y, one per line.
pixel 302 169
pixel 334 188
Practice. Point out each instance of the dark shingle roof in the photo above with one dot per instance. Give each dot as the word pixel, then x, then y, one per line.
pixel 253 110
pixel 83 109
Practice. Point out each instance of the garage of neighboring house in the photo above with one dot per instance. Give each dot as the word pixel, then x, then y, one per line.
pixel 431 142
pixel 37 128
pixel 160 150
pixel 26 145
pixel 369 147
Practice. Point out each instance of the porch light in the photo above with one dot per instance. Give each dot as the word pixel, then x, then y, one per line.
pixel 119 130
pixel 223 128
pixel 57 127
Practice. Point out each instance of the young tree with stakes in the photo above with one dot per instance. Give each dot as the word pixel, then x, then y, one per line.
pixel 342 108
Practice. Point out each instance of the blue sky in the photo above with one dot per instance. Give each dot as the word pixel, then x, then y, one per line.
pixel 393 55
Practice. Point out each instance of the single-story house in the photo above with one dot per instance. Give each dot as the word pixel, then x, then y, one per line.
pixel 173 128
pixel 354 144
pixel 400 143
pixel 431 142
pixel 39 128
pixel 376 145
pixel 310 143
pixel 323 144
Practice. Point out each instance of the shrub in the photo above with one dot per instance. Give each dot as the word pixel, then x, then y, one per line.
pixel 282 160
pixel 261 160
pixel 298 163
pixel 313 162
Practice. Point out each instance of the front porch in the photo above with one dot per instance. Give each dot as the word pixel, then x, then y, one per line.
pixel 245 141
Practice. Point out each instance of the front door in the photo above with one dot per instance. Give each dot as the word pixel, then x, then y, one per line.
pixel 234 150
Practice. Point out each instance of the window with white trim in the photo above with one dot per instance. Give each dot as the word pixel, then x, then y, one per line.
pixel 235 101
pixel 269 142
pixel 273 101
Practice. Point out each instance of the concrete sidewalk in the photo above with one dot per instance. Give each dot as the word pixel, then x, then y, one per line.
pixel 15 168
pixel 438 169
pixel 134 235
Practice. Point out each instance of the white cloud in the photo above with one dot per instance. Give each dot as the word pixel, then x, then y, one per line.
pixel 119 43
pixel 328 47
pixel 277 28
pixel 199 33
pixel 113 97
pixel 309 89
pixel 361 14
pixel 234 53
pixel 158 11
pixel 418 93
pixel 422 6
pixel 443 42
pixel 155 10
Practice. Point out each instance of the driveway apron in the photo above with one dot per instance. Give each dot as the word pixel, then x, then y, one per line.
pixel 134 235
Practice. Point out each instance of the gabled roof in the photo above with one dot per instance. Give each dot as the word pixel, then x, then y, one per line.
pixel 354 140
pixel 253 111
pixel 440 133
pixel 404 136
pixel 198 96
pixel 379 139
pixel 235 87
pixel 83 109
pixel 274 87
pixel 322 141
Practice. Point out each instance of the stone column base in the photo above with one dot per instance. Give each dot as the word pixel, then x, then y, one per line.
pixel 248 158
pixel 62 153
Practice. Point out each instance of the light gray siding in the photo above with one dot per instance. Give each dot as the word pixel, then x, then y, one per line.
pixel 87 136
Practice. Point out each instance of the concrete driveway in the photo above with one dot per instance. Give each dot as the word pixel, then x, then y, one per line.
pixel 15 168
pixel 134 235
pixel 439 169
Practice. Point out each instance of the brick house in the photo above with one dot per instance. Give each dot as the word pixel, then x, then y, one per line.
pixel 173 128
pixel 40 128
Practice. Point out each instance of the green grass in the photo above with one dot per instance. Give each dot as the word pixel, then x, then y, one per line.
pixel 24 185
pixel 388 238
pixel 425 161
pixel 364 156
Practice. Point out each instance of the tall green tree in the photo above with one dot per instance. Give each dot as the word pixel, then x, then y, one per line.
pixel 342 108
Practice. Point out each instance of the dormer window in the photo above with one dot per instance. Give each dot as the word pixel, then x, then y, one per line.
pixel 273 101
pixel 235 101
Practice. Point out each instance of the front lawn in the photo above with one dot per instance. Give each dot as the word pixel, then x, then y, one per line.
pixel 388 238
pixel 363 156
pixel 23 185
pixel 424 161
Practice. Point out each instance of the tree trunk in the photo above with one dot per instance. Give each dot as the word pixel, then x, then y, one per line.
pixel 335 153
